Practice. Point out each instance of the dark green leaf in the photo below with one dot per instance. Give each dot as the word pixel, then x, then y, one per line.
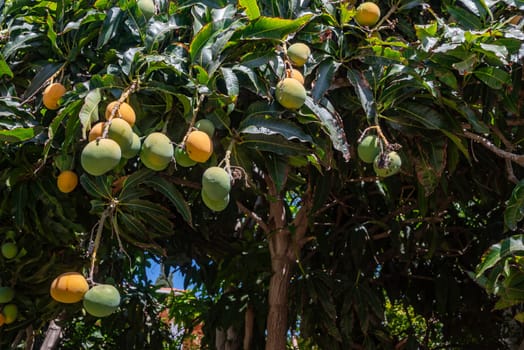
pixel 364 93
pixel 169 190
pixel 514 212
pixel 324 77
pixel 493 77
pixel 111 26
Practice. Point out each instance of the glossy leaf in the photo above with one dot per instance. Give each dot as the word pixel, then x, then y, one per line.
pixel 272 126
pixel 272 27
pixel 514 212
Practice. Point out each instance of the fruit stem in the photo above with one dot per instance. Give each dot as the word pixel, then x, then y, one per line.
pixel 125 95
pixel 379 133
pixel 392 10
pixel 193 120
pixel 96 243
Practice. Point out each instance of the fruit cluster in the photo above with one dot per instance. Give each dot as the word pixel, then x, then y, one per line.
pixel 9 311
pixel 216 185
pixel 370 151
pixel 290 91
pixel 100 300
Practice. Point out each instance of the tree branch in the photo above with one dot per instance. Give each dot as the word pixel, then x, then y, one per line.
pixel 517 158
pixel 254 216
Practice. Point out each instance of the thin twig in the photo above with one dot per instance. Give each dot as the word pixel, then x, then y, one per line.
pixel 517 158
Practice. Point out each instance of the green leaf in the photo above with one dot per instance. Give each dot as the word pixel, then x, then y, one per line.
pixel 89 111
pixel 17 134
pixel 273 143
pixel 40 78
pixel 231 81
pixel 507 247
pixel 278 170
pixel 251 7
pixel 519 317
pixel 493 77
pixel 110 28
pixel 333 125
pixel 272 28
pixel 324 76
pixel 271 126
pixel 96 186
pixel 514 212
pixel 364 93
pixel 169 190
pixel 429 117
pixel 4 68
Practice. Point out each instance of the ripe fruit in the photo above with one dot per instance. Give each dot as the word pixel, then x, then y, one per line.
pixel 125 112
pixel 368 149
pixel 101 300
pixel 295 74
pixel 214 204
pixel 9 250
pixel 157 151
pixel 69 287
pixel 290 93
pixel 298 53
pixel 67 181
pixel 199 146
pixel 96 131
pixel 100 156
pixel 206 126
pixel 6 294
pixel 134 149
pixel 10 312
pixel 216 183
pixel 182 158
pixel 368 14
pixel 121 132
pixel 387 165
pixel 147 7
pixel 51 95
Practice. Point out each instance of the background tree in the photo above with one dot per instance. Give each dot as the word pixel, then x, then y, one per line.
pixel 311 243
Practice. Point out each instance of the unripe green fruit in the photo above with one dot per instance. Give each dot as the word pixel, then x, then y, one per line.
pixel 10 312
pixel 134 149
pixel 100 156
pixel 157 151
pixel 101 300
pixel 9 250
pixel 182 158
pixel 216 183
pixel 6 294
pixel 392 163
pixel 290 93
pixel 298 53
pixel 147 7
pixel 213 204
pixel 121 132
pixel 368 149
pixel 206 126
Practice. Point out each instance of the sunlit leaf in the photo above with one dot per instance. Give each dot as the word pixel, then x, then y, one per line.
pixel 89 111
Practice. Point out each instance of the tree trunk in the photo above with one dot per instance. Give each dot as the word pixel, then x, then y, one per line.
pixel 278 310
pixel 52 336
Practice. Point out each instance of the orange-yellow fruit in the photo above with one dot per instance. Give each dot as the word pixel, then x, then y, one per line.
pixel 10 312
pixel 125 111
pixel 69 288
pixel 96 131
pixel 368 14
pixel 199 146
pixel 295 74
pixel 298 54
pixel 157 151
pixel 52 94
pixel 100 156
pixel 67 181
pixel 290 93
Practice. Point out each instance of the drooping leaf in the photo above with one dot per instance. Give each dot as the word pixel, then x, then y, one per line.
pixel 111 26
pixel 493 77
pixel 364 93
pixel 89 111
pixel 231 81
pixel 333 125
pixel 271 126
pixel 514 212
pixel 324 77
pixel 497 252
pixel 169 190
